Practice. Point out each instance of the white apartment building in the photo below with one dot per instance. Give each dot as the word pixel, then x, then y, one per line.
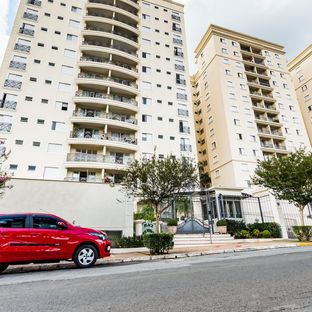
pixel 88 85
pixel 301 71
pixel 85 87
pixel 245 106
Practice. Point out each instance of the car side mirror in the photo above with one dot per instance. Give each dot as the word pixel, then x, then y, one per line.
pixel 62 225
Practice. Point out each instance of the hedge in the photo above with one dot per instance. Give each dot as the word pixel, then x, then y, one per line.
pixel 158 244
pixel 130 242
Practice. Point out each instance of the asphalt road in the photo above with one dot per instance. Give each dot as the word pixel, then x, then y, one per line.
pixel 277 280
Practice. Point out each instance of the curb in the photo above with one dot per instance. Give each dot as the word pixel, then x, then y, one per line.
pixel 70 265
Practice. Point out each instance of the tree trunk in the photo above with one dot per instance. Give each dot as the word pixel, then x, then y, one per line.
pixel 301 209
pixel 158 219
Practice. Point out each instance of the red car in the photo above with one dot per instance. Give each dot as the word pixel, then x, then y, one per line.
pixel 40 238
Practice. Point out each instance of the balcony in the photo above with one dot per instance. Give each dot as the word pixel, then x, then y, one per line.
pixel 26 31
pixel 117 8
pixel 34 2
pixel 177 41
pixel 11 105
pixel 17 65
pixel 185 129
pixel 133 25
pixel 176 17
pixel 267 145
pixel 185 148
pixel 179 54
pixel 5 127
pixel 181 82
pixel 30 16
pixel 84 179
pixel 21 47
pixel 95 96
pixel 177 29
pixel 179 67
pixel 125 52
pixel 14 84
pixel 126 85
pixel 181 96
pixel 84 157
pixel 183 112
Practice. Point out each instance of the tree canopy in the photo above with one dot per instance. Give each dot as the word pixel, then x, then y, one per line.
pixel 289 178
pixel 157 180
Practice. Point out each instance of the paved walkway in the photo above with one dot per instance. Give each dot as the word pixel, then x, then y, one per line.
pixel 124 255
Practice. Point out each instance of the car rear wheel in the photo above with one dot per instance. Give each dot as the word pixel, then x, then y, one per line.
pixel 3 267
pixel 85 256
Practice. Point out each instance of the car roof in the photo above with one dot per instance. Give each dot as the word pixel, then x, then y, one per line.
pixel 28 214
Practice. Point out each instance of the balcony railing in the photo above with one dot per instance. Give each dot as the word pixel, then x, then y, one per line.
pixel 185 148
pixel 181 96
pixel 185 130
pixel 112 32
pixel 105 78
pixel 280 147
pixel 21 47
pixel 266 145
pixel 92 136
pixel 84 157
pixel 100 44
pixel 183 112
pixel 277 133
pixel 26 31
pixel 17 65
pixel 117 6
pixel 181 82
pixel 177 41
pixel 84 179
pixel 99 95
pixel 30 16
pixel 180 54
pixel 102 60
pixel 263 131
pixel 100 114
pixel 114 18
pixel 5 127
pixel 12 84
pixel 179 67
pixel 34 2
pixel 175 17
pixel 9 105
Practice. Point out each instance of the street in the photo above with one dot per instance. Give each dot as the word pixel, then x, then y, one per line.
pixel 273 280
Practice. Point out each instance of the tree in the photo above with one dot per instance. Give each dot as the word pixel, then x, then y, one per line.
pixel 204 178
pixel 289 178
pixel 157 180
pixel 4 176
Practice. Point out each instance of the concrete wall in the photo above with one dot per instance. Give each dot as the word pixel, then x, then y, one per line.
pixel 93 205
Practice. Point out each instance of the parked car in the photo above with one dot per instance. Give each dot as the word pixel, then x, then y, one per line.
pixel 43 238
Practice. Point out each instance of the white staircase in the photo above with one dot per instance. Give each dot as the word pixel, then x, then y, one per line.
pixel 197 240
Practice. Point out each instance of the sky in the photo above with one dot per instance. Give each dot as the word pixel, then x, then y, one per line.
pixel 286 22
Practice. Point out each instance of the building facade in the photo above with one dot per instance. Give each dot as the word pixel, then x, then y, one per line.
pixel 86 86
pixel 301 71
pixel 245 106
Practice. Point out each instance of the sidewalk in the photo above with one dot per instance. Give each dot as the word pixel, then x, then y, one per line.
pixel 128 255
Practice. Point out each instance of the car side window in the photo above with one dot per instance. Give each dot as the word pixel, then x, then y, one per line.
pixel 15 222
pixel 42 222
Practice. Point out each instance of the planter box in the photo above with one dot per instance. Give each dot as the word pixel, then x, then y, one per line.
pixel 222 229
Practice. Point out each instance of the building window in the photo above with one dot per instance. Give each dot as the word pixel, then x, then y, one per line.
pixel 58 126
pixel 147 137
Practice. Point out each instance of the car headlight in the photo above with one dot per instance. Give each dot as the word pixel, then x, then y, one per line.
pixel 99 235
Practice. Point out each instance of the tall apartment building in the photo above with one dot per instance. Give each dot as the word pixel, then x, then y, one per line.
pixel 88 85
pixel 301 71
pixel 245 106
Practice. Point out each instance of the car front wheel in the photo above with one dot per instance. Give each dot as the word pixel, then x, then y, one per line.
pixel 85 256
pixel 3 267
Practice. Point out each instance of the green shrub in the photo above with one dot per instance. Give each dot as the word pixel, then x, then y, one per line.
pixel 234 226
pixel 222 222
pixel 272 227
pixel 130 242
pixel 266 234
pixel 303 233
pixel 158 244
pixel 256 233
pixel 242 234
pixel 172 222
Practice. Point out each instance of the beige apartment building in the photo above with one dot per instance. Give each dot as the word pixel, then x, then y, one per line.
pixel 86 86
pixel 89 85
pixel 245 106
pixel 301 72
